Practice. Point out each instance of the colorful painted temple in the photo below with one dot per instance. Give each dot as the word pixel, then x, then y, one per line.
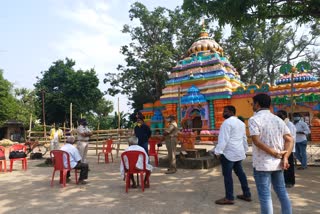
pixel 201 84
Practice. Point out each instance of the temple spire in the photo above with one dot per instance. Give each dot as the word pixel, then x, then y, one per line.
pixel 203 32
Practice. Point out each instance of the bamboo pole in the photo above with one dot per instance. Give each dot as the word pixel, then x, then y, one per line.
pixel 119 138
pixel 71 119
pixel 291 92
pixel 43 116
pixel 97 138
pixel 30 125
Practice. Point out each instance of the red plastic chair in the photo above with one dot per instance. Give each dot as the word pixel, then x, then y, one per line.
pixel 18 147
pixel 152 150
pixel 106 150
pixel 4 161
pixel 58 157
pixel 132 157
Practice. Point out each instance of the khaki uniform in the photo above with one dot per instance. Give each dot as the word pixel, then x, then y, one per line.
pixel 171 144
pixel 83 142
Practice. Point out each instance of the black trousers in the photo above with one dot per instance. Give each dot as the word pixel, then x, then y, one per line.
pixel 84 169
pixel 289 176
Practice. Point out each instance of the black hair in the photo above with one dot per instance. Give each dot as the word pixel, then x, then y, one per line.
pixel 282 114
pixel 296 114
pixel 263 100
pixel 241 118
pixel 231 108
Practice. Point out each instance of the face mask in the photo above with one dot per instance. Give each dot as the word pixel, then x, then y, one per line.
pixel 296 118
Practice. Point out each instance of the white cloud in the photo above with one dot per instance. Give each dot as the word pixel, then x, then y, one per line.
pixel 94 41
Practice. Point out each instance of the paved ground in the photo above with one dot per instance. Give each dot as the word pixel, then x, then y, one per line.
pixel 187 191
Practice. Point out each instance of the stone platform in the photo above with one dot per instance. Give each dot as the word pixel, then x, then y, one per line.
pixel 192 159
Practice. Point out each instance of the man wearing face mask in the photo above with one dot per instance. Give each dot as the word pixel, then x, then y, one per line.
pixel 170 135
pixel 143 133
pixel 231 150
pixel 289 176
pixel 301 140
pixel 83 136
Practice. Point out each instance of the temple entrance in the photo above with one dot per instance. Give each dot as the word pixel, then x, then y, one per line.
pixel 197 124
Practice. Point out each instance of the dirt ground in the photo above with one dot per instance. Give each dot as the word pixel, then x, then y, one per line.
pixel 187 191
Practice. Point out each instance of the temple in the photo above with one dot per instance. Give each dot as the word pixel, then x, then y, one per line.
pixel 202 83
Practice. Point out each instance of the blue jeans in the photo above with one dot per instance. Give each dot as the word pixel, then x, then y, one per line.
pixel 263 182
pixel 227 167
pixel 301 153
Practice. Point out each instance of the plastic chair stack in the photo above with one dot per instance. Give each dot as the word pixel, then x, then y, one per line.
pixel 18 147
pixel 152 151
pixel 60 157
pixel 3 159
pixel 106 150
pixel 132 158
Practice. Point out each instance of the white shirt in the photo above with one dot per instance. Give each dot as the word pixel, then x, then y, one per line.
pixel 81 130
pixel 73 153
pixel 293 131
pixel 139 163
pixel 232 140
pixel 56 137
pixel 271 130
pixel 302 127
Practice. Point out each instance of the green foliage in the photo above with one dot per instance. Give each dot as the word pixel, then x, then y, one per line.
pixel 61 85
pixel 8 103
pixel 158 42
pixel 258 50
pixel 25 99
pixel 124 122
pixel 100 118
pixel 240 12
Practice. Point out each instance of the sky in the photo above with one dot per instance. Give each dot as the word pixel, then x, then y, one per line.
pixel 36 33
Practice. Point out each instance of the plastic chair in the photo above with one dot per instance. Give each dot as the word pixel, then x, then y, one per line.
pixel 152 150
pixel 18 147
pixel 106 150
pixel 58 157
pixel 132 157
pixel 4 161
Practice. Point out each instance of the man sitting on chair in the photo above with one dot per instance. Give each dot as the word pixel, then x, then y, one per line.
pixel 133 146
pixel 75 160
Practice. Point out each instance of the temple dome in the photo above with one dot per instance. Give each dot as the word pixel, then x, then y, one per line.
pixel 205 43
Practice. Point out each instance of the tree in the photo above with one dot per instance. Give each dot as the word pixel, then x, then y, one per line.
pixel 62 85
pixel 161 38
pixel 239 13
pixel 25 99
pixel 7 101
pixel 100 118
pixel 258 50
pixel 124 123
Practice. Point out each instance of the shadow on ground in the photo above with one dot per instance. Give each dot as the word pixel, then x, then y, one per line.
pixel 187 191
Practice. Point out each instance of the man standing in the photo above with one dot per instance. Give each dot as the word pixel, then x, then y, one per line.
pixel 231 150
pixel 289 176
pixel 83 135
pixel 301 140
pixel 272 146
pixel 143 133
pixel 133 141
pixel 75 160
pixel 171 134
pixel 55 136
